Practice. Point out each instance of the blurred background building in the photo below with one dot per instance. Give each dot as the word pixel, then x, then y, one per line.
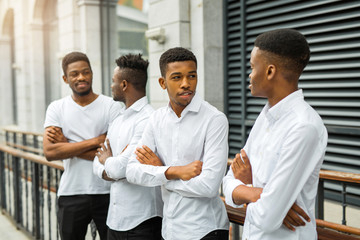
pixel 36 34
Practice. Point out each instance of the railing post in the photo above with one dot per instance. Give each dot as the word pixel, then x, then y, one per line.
pixel 17 190
pixel 36 200
pixel 2 180
pixel 343 203
pixel 319 205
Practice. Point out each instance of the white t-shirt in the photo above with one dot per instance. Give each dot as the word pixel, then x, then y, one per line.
pixel 80 123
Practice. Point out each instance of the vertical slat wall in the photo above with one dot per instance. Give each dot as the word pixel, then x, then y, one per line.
pixel 331 81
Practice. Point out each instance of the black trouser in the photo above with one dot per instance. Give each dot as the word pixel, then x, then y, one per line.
pixel 217 235
pixel 76 212
pixel 147 230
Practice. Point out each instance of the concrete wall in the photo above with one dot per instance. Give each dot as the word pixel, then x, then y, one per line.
pixel 198 26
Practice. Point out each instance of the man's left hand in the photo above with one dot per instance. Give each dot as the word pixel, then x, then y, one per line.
pixel 104 152
pixel 242 169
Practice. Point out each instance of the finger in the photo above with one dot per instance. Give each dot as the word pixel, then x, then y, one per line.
pixel 143 152
pixel 288 226
pixel 140 160
pixel 295 219
pixel 147 149
pixel 245 157
pixel 301 212
pixel 139 153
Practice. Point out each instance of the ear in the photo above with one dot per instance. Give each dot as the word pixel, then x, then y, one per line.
pixel 65 79
pixel 271 71
pixel 162 82
pixel 125 85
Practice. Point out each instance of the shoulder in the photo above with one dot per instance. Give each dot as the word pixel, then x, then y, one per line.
pixel 212 112
pixel 56 104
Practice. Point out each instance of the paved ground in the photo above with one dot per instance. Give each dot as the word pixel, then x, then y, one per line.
pixel 8 231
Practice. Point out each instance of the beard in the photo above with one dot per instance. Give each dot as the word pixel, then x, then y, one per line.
pixel 81 94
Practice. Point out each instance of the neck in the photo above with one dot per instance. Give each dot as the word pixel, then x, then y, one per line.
pixel 133 97
pixel 281 94
pixel 84 100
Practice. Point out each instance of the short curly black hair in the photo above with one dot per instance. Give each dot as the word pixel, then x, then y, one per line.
pixel 288 44
pixel 177 54
pixel 134 70
pixel 74 57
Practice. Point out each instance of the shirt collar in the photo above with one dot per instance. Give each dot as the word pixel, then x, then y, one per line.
pixel 194 106
pixel 137 106
pixel 286 104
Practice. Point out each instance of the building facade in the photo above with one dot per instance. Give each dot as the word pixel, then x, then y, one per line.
pixel 36 34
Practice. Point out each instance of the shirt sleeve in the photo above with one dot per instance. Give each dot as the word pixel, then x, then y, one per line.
pixel 214 163
pixel 98 168
pixel 116 109
pixel 115 167
pixel 52 117
pixel 142 174
pixel 300 155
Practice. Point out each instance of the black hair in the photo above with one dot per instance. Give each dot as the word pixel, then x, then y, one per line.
pixel 134 70
pixel 74 57
pixel 177 54
pixel 288 44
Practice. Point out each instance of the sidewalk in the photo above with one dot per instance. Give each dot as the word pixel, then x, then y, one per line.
pixel 8 230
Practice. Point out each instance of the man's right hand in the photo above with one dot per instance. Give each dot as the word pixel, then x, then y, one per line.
pixel 186 172
pixel 241 167
pixel 100 139
pixel 293 218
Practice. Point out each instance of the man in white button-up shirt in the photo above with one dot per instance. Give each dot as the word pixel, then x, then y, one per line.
pixel 184 150
pixel 285 148
pixel 135 211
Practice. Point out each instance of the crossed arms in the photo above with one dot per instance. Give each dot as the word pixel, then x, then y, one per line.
pixel 56 145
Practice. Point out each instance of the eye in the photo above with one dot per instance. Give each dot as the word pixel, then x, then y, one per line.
pixel 86 72
pixel 175 77
pixel 73 74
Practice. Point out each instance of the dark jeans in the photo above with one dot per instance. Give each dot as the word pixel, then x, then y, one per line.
pixel 147 230
pixel 76 212
pixel 217 235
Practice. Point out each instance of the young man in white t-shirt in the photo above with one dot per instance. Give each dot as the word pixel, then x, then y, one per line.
pixel 74 128
pixel 184 150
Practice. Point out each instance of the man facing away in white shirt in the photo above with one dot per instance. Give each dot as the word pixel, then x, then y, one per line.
pixel 74 128
pixel 277 172
pixel 135 211
pixel 184 150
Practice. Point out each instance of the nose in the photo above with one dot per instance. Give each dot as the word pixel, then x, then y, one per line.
pixel 185 83
pixel 112 86
pixel 81 76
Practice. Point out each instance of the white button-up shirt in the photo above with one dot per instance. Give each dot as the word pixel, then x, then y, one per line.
pixel 286 148
pixel 191 208
pixel 130 204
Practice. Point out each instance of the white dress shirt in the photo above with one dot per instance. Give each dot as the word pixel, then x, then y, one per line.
pixel 130 204
pixel 191 208
pixel 286 148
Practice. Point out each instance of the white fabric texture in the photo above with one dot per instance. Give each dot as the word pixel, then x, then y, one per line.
pixel 286 148
pixel 191 208
pixel 130 204
pixel 80 123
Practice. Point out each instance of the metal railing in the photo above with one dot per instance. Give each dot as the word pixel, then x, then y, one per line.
pixel 28 185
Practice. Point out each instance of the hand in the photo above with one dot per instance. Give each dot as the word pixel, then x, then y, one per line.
pixel 186 172
pixel 55 135
pixel 293 218
pixel 146 156
pixel 191 170
pixel 104 152
pixel 242 169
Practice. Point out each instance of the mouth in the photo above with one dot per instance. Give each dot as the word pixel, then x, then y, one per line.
pixel 81 84
pixel 186 94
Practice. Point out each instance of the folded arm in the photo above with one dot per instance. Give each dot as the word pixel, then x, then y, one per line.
pixel 207 183
pixel 56 147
